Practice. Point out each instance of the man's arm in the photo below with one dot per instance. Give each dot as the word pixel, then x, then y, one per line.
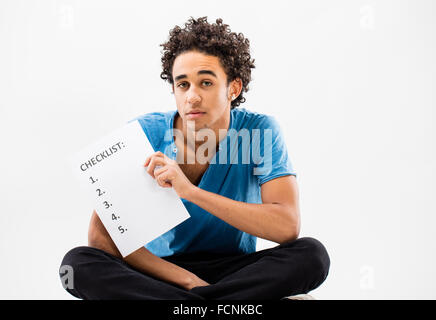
pixel 276 219
pixel 142 259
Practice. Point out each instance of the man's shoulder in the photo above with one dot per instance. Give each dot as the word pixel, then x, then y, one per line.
pixel 157 118
pixel 155 125
pixel 248 119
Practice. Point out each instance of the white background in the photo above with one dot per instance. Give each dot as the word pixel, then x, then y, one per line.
pixel 351 82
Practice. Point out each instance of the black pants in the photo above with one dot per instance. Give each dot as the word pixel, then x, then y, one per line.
pixel 291 268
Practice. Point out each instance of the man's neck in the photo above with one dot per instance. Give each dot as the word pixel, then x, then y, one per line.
pixel 190 133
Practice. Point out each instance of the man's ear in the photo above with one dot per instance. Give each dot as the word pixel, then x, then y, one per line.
pixel 172 88
pixel 236 87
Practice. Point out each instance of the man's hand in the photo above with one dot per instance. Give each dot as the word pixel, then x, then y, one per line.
pixel 169 175
pixel 196 282
pixel 99 238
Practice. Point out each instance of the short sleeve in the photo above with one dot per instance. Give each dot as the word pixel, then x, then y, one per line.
pixel 269 151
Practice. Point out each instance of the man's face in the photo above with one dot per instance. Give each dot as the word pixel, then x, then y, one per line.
pixel 201 91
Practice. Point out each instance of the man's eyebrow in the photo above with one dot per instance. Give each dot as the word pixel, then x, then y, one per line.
pixel 182 76
pixel 207 72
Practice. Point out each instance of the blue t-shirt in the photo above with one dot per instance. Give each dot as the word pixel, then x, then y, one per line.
pixel 252 153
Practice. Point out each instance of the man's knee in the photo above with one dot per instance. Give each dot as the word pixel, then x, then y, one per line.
pixel 72 267
pixel 316 256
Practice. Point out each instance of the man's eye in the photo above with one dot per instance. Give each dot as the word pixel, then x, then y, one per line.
pixel 181 85
pixel 207 83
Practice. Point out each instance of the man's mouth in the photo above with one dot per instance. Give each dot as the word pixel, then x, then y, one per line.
pixel 195 114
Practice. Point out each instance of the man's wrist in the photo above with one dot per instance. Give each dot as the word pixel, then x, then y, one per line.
pixel 188 281
pixel 190 192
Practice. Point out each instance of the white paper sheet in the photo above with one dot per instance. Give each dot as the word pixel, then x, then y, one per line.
pixel 132 206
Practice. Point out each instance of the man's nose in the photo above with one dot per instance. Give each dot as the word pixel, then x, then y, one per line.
pixel 192 96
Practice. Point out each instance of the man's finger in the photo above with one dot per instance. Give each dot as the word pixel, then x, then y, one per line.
pixel 155 161
pixel 163 181
pixel 157 154
pixel 159 170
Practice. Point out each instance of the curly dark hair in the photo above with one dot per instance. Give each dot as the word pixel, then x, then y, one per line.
pixel 215 39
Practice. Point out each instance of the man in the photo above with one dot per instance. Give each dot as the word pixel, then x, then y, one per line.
pixel 211 255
